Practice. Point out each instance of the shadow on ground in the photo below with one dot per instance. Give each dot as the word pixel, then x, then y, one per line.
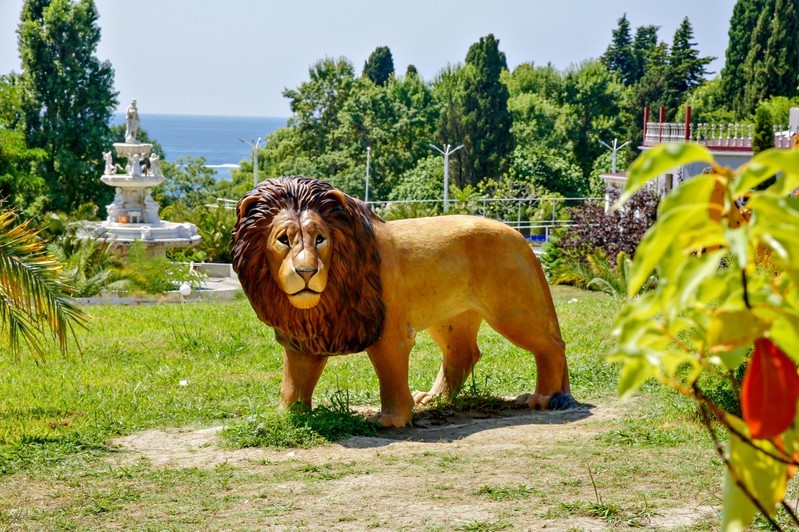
pixel 449 423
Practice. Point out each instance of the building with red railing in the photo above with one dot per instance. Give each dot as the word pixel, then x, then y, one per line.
pixel 730 144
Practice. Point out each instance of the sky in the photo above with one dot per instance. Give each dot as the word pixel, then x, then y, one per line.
pixel 235 57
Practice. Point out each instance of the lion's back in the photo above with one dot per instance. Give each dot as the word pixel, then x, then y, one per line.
pixel 440 267
pixel 445 236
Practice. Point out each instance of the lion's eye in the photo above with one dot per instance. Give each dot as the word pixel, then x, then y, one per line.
pixel 283 239
pixel 320 240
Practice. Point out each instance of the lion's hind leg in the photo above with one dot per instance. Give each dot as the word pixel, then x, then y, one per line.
pixel 457 339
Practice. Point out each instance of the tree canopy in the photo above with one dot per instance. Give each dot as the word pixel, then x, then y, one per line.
pixel 67 97
pixel 380 66
pixel 762 58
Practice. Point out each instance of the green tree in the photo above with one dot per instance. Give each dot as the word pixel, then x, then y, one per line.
pixel 422 182
pixel 687 70
pixel 21 186
pixel 709 104
pixel 780 108
pixel 547 169
pixel 68 96
pixel 380 66
pixel 745 15
pixel 764 130
pixel 486 119
pixel 782 49
pixel 316 103
pixel 644 44
pixel 652 90
pixel 189 182
pixel 544 81
pixel 772 63
pixel 395 121
pixel 591 112
pixel 618 58
pixel 755 70
pixel 449 94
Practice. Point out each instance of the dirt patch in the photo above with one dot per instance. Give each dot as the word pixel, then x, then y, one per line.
pixel 494 429
pixel 517 469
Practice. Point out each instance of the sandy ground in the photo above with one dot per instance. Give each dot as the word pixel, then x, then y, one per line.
pixel 426 477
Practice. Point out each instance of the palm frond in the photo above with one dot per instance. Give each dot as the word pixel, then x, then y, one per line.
pixel 34 299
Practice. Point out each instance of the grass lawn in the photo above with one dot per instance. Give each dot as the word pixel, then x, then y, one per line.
pixel 641 463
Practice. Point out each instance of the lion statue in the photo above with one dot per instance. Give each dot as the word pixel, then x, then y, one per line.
pixel 333 278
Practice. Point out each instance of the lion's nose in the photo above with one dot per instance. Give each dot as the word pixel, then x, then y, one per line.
pixel 307 273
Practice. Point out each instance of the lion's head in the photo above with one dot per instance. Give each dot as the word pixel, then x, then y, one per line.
pixel 307 258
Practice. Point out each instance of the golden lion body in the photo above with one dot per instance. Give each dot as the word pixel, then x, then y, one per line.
pixel 444 275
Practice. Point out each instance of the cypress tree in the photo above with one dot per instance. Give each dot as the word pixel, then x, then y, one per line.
pixel 782 50
pixel 644 44
pixel 745 15
pixel 757 84
pixel 380 66
pixel 618 58
pixel 764 131
pixel 763 137
pixel 486 118
pixel 771 64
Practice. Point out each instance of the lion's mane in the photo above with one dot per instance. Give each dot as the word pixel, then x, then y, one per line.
pixel 350 313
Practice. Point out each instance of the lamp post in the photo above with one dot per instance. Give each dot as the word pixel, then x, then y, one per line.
pixel 255 144
pixel 614 149
pixel 446 152
pixel 368 155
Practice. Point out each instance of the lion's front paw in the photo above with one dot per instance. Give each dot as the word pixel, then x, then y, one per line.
pixel 422 398
pixel 537 401
pixel 390 420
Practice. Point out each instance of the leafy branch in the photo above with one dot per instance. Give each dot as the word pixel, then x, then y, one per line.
pixel 726 257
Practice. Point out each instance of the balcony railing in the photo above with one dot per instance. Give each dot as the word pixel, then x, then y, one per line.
pixel 724 136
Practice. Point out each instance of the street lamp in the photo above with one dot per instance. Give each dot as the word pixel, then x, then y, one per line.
pixel 255 144
pixel 614 149
pixel 368 154
pixel 446 152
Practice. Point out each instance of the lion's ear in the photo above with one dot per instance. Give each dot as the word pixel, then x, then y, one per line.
pixel 245 203
pixel 340 197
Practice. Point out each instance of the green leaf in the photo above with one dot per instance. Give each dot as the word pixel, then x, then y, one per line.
pixel 660 160
pixel 633 375
pixel 734 329
pixel 683 210
pixel 785 333
pixel 731 359
pixel 775 220
pixel 763 476
pixel 697 272
pixel 737 509
pixel 673 360
pixel 767 164
pixel 738 241
pixel 693 194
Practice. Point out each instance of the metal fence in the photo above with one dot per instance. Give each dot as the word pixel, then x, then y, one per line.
pixel 535 218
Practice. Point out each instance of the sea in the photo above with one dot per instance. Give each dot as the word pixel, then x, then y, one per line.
pixel 217 138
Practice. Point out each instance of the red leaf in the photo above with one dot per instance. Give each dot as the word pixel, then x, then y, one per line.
pixel 769 392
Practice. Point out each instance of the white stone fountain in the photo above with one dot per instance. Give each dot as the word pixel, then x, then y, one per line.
pixel 133 215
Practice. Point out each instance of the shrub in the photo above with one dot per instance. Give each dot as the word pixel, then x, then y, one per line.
pixel 593 229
